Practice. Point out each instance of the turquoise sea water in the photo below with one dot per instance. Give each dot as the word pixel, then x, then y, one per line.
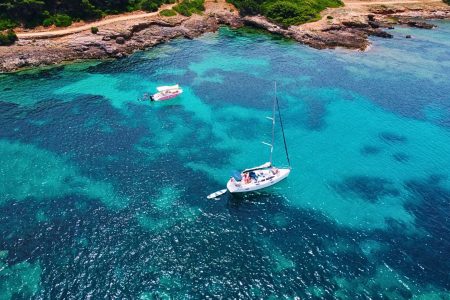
pixel 104 196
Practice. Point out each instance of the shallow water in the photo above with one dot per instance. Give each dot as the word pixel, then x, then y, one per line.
pixel 102 195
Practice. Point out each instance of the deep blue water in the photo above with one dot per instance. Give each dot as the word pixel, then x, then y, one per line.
pixel 104 196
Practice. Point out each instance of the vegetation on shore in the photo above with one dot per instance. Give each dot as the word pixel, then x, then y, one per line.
pixel 286 12
pixel 168 13
pixel 189 7
pixel 7 38
pixel 61 13
pixel 59 20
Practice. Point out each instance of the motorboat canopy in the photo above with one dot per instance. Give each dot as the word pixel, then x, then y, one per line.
pixel 167 88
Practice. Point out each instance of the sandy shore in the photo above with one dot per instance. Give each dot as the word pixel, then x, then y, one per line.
pixel 348 26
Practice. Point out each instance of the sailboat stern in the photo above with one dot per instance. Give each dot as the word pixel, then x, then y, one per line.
pixel 233 186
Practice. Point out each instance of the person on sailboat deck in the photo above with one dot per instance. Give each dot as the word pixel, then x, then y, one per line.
pixel 246 178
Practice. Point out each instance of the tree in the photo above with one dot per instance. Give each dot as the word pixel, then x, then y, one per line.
pixel 149 5
pixel 89 11
pixel 30 12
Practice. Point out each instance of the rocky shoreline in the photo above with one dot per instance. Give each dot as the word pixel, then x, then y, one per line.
pixel 110 42
pixel 118 40
pixel 353 31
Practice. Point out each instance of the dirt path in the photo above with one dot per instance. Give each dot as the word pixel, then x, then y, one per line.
pixel 70 30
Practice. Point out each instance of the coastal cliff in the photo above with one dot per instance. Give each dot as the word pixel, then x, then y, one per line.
pixel 348 27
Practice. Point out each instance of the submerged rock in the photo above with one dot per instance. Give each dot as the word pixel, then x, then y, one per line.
pixel 374 24
pixel 422 25
pixel 381 33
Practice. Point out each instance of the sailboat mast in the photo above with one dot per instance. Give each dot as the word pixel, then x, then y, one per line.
pixel 282 129
pixel 273 124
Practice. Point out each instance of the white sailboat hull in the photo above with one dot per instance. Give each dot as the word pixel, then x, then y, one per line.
pixel 265 179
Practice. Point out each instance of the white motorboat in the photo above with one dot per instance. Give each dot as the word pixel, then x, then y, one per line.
pixel 166 92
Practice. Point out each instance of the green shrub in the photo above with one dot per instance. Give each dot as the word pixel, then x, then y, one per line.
pixel 94 30
pixel 11 35
pixel 8 38
pixel 247 7
pixel 289 13
pixel 149 5
pixel 285 12
pixel 168 13
pixel 62 20
pixel 48 22
pixel 7 24
pixel 189 7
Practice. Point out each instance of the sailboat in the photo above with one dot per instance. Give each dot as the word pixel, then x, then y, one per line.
pixel 263 176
